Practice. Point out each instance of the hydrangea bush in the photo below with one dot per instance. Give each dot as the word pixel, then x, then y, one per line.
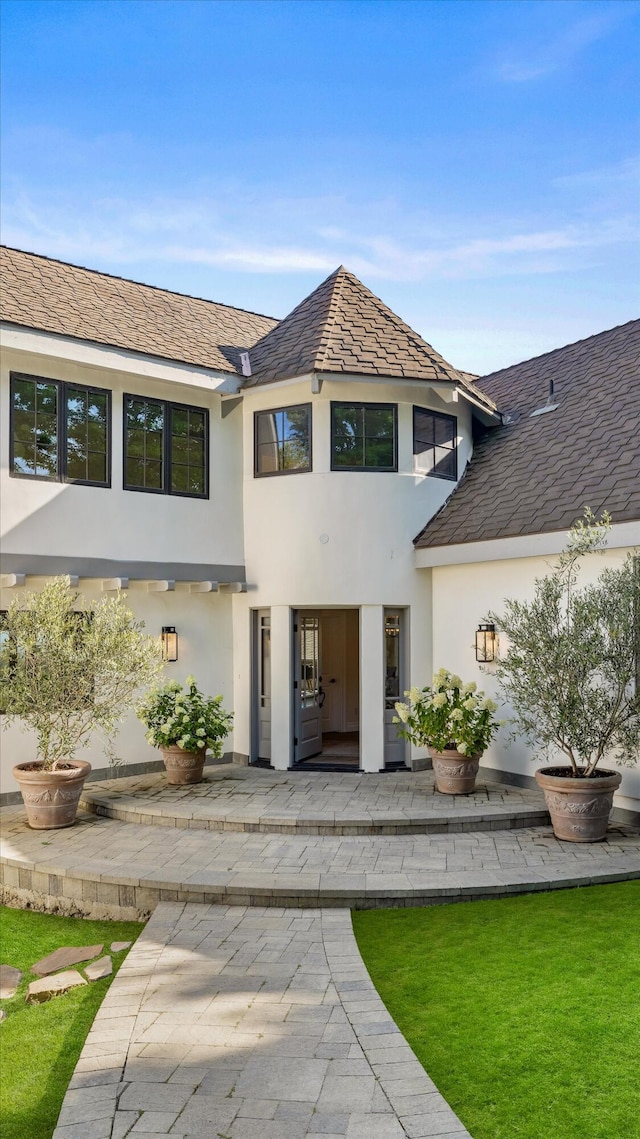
pixel 184 717
pixel 449 716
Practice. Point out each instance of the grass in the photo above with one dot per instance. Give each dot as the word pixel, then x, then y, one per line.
pixel 41 1043
pixel 525 1011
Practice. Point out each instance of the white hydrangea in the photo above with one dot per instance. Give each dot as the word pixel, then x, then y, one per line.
pixel 200 743
pixel 439 700
pixel 455 681
pixel 467 689
pixel 462 748
pixel 490 705
pixel 200 732
pixel 457 714
pixel 403 711
pixel 470 704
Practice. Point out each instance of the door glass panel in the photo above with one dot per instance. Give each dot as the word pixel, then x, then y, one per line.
pixel 309 662
pixel 392 658
pixel 265 662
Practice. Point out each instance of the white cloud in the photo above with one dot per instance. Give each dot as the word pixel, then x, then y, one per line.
pixel 559 52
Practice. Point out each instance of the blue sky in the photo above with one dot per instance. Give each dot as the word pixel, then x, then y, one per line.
pixel 475 163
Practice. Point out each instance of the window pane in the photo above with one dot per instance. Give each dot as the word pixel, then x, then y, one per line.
pixel 348 452
pixel 282 440
pixel 444 429
pixel 179 421
pixel 179 448
pixel 135 472
pixel 76 466
pixel 444 462
pixel 379 453
pixel 97 467
pixel 179 478
pixel 23 426
pixel 379 422
pixel 24 461
pixel 196 481
pixel 24 395
pixel 153 474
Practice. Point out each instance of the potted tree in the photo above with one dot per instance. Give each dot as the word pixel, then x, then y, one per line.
pixel 65 673
pixel 572 677
pixel 184 724
pixel 455 722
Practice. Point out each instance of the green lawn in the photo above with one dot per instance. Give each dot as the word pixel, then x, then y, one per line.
pixel 525 1011
pixel 40 1044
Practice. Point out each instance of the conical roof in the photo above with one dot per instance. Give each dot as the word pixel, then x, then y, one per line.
pixel 342 327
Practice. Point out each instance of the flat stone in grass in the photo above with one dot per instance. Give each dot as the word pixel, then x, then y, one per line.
pixel 98 969
pixel 9 981
pixel 118 946
pixel 48 987
pixel 62 958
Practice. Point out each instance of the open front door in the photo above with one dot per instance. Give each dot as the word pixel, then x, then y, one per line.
pixel 307 692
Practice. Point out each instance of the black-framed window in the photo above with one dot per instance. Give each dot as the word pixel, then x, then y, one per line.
pixel 282 442
pixel 60 431
pixel 435 443
pixel 364 437
pixel 166 447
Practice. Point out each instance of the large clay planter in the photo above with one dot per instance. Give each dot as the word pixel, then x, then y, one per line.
pixel 51 797
pixel 455 774
pixel 183 766
pixel 579 808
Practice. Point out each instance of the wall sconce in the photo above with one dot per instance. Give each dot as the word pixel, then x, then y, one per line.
pixel 486 643
pixel 169 642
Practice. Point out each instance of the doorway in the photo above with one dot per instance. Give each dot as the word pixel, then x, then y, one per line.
pixel 326 689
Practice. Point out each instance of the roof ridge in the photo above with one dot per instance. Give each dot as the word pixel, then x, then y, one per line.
pixel 340 274
pixel 140 284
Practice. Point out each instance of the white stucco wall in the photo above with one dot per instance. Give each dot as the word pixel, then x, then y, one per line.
pixel 41 517
pixel 204 626
pixel 462 597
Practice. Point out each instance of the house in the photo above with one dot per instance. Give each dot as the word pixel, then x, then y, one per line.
pixel 322 507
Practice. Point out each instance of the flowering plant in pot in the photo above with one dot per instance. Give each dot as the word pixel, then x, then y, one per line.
pixel 184 724
pixel 456 722
pixel 572 677
pixel 65 673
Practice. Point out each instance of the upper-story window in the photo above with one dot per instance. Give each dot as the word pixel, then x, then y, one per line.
pixel 60 431
pixel 364 437
pixel 435 439
pixel 165 447
pixel 283 440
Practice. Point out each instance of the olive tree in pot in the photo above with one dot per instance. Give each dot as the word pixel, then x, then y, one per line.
pixel 571 676
pixel 65 673
pixel 455 722
pixel 184 724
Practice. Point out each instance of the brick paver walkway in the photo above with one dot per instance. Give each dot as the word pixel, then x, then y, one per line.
pixel 235 1023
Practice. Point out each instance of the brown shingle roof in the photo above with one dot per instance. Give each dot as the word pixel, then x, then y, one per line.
pixel 535 475
pixel 342 327
pixel 38 292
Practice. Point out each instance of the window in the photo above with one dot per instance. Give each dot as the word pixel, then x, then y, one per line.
pixel 363 437
pixel 60 431
pixel 165 447
pixel 283 440
pixel 435 443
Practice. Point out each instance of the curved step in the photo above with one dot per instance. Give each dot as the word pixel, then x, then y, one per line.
pixel 104 866
pixel 270 802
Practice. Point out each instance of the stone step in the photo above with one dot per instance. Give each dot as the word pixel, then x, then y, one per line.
pixel 268 802
pixel 110 868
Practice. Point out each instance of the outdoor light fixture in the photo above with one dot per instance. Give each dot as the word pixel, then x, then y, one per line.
pixel 486 643
pixel 169 642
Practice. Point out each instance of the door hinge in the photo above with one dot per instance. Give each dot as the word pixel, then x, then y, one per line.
pixel 295 741
pixel 295 684
pixel 295 628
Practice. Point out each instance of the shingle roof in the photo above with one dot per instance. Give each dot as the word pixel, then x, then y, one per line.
pixel 40 293
pixel 342 327
pixel 535 475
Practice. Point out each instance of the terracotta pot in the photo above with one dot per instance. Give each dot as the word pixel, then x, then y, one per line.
pixel 579 808
pixel 455 774
pixel 51 797
pixel 183 766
